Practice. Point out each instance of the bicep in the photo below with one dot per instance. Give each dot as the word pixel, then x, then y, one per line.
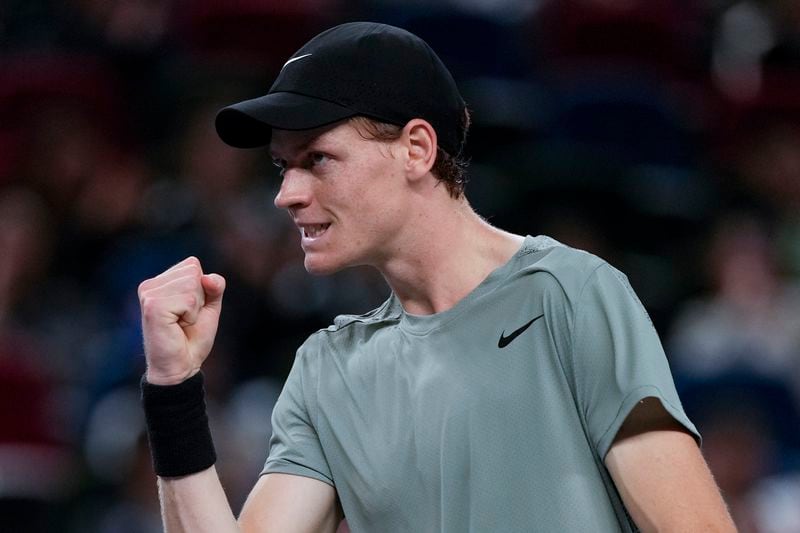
pixel 661 475
pixel 291 504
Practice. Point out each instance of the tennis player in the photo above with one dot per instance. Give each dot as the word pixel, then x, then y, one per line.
pixel 509 383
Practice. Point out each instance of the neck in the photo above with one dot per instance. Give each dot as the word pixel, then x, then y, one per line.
pixel 441 259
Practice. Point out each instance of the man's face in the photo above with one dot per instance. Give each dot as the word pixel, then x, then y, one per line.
pixel 345 193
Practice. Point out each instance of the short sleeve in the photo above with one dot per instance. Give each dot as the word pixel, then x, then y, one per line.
pixel 294 446
pixel 617 358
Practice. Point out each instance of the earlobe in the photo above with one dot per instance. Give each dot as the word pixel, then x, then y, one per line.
pixel 421 144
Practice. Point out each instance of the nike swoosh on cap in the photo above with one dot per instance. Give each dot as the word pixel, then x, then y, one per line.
pixel 292 60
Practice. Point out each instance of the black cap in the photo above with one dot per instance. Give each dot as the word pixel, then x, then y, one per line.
pixel 359 68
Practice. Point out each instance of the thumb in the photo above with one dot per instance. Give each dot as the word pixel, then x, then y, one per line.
pixel 213 286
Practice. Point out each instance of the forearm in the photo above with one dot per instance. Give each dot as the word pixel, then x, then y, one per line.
pixel 190 492
pixel 195 503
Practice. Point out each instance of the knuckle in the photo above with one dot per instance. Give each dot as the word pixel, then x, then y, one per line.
pixel 140 290
pixel 190 284
pixel 148 306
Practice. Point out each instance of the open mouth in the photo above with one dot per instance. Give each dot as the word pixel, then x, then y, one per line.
pixel 312 231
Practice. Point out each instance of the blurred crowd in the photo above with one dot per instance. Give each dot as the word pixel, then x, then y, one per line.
pixel 662 135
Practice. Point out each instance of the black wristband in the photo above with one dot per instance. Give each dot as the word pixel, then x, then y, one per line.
pixel 177 427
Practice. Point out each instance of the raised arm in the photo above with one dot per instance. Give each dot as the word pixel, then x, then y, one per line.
pixel 180 315
pixel 662 477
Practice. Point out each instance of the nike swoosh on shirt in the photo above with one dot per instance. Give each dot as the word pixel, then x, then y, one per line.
pixel 292 60
pixel 505 341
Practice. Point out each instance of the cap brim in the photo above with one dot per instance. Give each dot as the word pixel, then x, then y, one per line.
pixel 249 124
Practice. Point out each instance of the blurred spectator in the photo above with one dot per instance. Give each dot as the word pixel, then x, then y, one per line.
pixel 751 432
pixel 118 458
pixel 26 242
pixel 752 41
pixel 243 426
pixel 126 24
pixel 768 165
pixel 751 318
pixel 36 463
pixel 774 503
pixel 756 68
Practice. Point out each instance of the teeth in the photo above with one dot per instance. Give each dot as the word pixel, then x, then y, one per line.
pixel 314 230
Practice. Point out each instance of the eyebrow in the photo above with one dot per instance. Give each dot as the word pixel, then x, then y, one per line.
pixel 302 147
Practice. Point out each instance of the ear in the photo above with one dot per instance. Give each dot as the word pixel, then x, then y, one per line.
pixel 421 143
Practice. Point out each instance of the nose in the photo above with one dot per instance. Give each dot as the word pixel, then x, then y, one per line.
pixel 295 191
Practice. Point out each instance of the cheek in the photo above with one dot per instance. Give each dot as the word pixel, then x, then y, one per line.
pixel 382 198
pixel 370 193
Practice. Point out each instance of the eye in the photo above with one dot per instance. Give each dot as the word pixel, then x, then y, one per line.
pixel 317 158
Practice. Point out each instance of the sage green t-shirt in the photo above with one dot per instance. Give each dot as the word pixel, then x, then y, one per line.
pixel 492 416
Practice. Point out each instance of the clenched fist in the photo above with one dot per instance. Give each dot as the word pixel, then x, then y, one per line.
pixel 180 314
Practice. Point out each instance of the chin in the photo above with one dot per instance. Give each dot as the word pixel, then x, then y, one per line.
pixel 317 266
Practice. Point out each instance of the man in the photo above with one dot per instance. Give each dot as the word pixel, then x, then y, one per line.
pixel 508 384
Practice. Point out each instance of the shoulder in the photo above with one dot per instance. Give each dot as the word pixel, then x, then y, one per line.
pixel 569 268
pixel 389 311
pixel 574 280
pixel 348 331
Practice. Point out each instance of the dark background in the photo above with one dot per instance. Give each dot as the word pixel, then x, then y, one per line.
pixel 662 135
